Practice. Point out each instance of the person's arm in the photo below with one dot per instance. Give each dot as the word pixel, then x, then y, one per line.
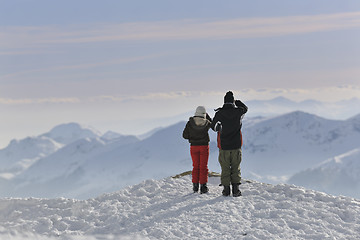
pixel 212 125
pixel 186 133
pixel 215 124
pixel 241 105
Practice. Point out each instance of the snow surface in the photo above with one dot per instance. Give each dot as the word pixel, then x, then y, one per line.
pixel 166 209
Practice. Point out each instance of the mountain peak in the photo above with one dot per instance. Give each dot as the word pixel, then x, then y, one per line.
pixel 110 135
pixel 281 100
pixel 70 132
pixel 299 118
pixel 304 117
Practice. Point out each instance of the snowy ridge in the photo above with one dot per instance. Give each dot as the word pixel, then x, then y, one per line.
pixel 340 174
pixel 111 136
pixel 21 154
pixel 166 209
pixel 349 162
pixel 91 166
pixel 57 165
pixel 286 144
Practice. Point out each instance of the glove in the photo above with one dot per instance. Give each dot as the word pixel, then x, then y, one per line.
pixel 218 127
pixel 238 103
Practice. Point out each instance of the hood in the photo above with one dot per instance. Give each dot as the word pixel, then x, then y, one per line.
pixel 199 122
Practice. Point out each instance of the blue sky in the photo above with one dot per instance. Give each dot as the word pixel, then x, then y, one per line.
pixel 122 65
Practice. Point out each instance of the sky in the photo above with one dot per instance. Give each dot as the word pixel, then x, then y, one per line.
pixel 126 66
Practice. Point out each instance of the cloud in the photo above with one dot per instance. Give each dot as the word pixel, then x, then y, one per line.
pixel 99 99
pixel 26 101
pixel 331 94
pixel 16 37
pixel 77 66
pixel 142 97
pixel 326 94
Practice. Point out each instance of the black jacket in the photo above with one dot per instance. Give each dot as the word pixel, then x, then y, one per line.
pixel 197 134
pixel 229 116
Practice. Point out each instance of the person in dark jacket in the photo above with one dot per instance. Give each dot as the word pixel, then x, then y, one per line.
pixel 196 131
pixel 227 122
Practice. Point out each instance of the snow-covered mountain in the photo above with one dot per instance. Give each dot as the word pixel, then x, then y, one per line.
pixel 337 175
pixel 339 110
pixel 274 149
pixel 20 154
pixel 56 173
pixel 59 172
pixel 281 146
pixel 90 166
pixel 166 209
pixel 111 136
pixel 71 132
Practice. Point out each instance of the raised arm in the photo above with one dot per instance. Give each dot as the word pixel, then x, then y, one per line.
pixel 242 105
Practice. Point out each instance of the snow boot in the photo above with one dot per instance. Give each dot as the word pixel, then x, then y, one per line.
pixel 226 191
pixel 196 187
pixel 235 190
pixel 203 188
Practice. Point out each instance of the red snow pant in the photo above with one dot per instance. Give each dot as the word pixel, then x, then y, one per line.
pixel 200 157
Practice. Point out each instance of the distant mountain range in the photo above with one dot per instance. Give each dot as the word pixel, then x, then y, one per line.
pixel 280 105
pixel 80 162
pixel 283 145
pixel 91 163
pixel 337 110
pixel 21 154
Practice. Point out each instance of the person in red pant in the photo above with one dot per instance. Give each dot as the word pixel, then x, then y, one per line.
pixel 196 131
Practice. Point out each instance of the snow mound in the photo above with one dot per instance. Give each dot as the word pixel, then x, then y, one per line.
pixel 166 209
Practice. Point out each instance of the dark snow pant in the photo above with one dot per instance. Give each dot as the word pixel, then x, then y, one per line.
pixel 230 166
pixel 200 156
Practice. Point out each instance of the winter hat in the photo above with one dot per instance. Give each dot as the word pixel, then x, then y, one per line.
pixel 229 97
pixel 200 112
